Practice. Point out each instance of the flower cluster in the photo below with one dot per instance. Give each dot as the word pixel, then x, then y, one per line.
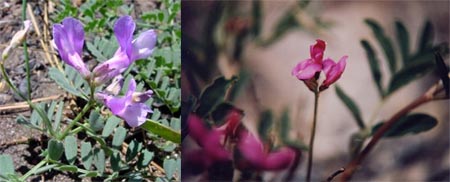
pixel 309 69
pixel 69 41
pixel 215 146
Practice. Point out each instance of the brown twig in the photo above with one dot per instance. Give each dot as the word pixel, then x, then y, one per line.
pixel 332 176
pixel 431 94
pixel 24 105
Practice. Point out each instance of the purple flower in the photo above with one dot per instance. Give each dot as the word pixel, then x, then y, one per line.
pixel 307 70
pixel 130 107
pixel 256 157
pixel 129 50
pixel 69 40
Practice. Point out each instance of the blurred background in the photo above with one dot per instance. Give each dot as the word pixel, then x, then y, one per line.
pixel 261 41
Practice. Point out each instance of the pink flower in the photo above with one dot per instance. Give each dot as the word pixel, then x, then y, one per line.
pixel 308 69
pixel 333 71
pixel 210 141
pixel 255 156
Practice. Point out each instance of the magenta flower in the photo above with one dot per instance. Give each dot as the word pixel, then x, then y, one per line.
pixel 131 106
pixel 333 71
pixel 308 69
pixel 211 148
pixel 129 50
pixel 256 157
pixel 209 140
pixel 69 40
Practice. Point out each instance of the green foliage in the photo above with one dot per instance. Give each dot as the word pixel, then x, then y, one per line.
pixel 351 105
pixel 70 148
pixel 385 43
pixel 374 66
pixel 7 167
pixel 443 72
pixel 162 130
pixel 213 95
pixel 415 64
pixel 70 81
pixel 409 124
pixel 55 149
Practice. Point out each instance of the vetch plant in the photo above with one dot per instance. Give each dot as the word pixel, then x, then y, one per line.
pixel 95 143
pixel 309 72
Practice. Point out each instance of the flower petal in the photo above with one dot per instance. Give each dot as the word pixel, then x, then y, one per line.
pixel 111 68
pixel 317 50
pixel 306 69
pixel 135 114
pixel 333 73
pixel 144 45
pixel 197 130
pixel 280 159
pixel 251 150
pixel 123 29
pixel 69 40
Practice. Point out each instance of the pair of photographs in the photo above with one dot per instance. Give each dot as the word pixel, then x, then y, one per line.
pixel 170 90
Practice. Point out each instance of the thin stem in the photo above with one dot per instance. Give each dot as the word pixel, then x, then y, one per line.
pixel 32 105
pixel 33 170
pixel 313 133
pixel 25 52
pixel 351 167
pixel 86 108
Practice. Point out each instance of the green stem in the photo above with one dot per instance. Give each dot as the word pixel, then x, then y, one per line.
pixel 32 105
pixel 311 141
pixel 33 170
pixel 80 115
pixel 86 108
pixel 25 51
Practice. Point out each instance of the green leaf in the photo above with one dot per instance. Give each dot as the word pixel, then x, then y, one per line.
pixel 62 81
pixel 99 160
pixel 161 130
pixel 133 149
pixel 403 40
pixel 89 174
pixel 426 38
pixel 409 124
pixel 55 149
pixel 285 24
pixel 70 148
pixel 7 165
pixel 351 105
pixel 96 121
pixel 170 166
pixel 58 115
pixel 86 155
pixel 443 72
pixel 374 66
pixel 119 137
pixel 69 168
pixel 408 74
pixel 257 17
pixel 111 124
pixel 115 161
pixel 213 95
pixel 384 42
pixel 265 124
pixel 145 158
